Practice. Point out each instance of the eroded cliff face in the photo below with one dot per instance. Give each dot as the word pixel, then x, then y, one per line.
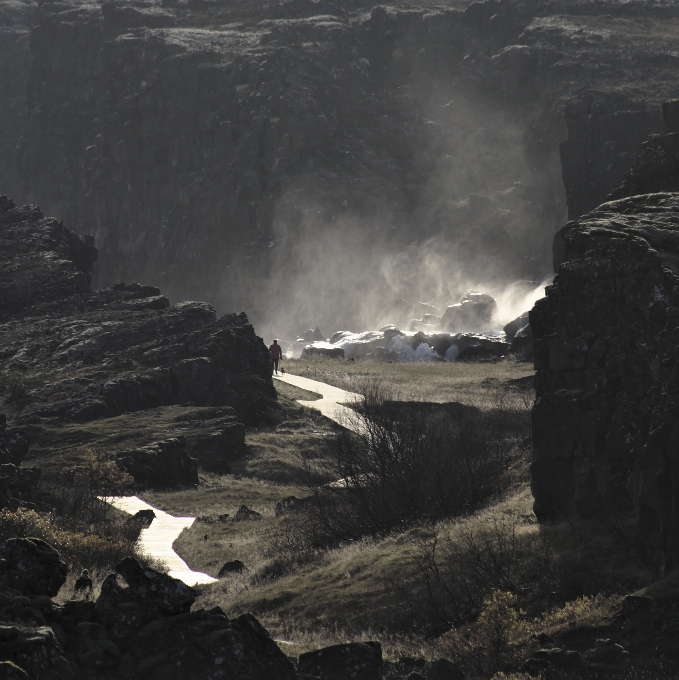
pixel 16 17
pixel 605 424
pixel 222 150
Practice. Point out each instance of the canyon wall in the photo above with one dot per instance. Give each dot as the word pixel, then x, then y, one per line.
pixel 285 158
pixel 605 420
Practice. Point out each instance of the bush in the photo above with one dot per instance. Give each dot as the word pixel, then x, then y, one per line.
pixel 80 549
pixel 410 462
pixel 73 495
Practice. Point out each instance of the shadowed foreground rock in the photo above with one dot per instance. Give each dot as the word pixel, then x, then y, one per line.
pixel 144 631
pixel 357 660
pixel 606 419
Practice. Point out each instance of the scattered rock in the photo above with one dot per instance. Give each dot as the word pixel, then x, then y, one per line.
pixel 476 353
pixel 233 567
pixel 244 514
pixel 34 651
pixel 354 661
pixel 144 517
pixel 321 350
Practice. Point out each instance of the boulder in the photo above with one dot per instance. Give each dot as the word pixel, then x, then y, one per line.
pixel 443 669
pixel 354 661
pixel 91 646
pixel 31 566
pixel 160 465
pixel 143 517
pixel 170 595
pixel 474 312
pixel 244 514
pixel 233 567
pixel 522 343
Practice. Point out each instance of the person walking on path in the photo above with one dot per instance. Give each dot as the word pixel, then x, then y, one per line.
pixel 276 353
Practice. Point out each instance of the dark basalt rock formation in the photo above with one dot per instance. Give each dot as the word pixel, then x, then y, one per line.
pixel 474 311
pixel 605 423
pixel 89 355
pixel 145 630
pixel 161 464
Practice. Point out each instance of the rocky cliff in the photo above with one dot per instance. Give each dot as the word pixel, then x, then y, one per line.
pixel 605 419
pixel 220 150
pixel 72 355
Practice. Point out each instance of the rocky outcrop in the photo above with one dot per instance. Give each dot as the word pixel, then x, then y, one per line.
pixel 474 312
pixel 40 259
pixel 162 464
pixel 143 630
pixel 605 432
pixel 95 354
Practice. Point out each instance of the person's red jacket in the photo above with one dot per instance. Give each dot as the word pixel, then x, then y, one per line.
pixel 275 351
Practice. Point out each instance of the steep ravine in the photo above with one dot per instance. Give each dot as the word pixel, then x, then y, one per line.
pixel 242 155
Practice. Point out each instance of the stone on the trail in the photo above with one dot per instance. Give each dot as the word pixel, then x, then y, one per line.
pixel 144 517
pixel 233 567
pixel 31 566
pixel 170 595
pixel 443 669
pixel 353 661
pixel 474 312
pixel 161 464
pixel 245 514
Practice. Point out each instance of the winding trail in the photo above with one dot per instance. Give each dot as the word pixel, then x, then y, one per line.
pixel 331 404
pixel 156 540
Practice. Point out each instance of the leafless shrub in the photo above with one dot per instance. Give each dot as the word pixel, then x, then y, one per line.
pixel 400 463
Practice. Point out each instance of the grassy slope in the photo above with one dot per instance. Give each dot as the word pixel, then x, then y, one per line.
pixel 352 589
